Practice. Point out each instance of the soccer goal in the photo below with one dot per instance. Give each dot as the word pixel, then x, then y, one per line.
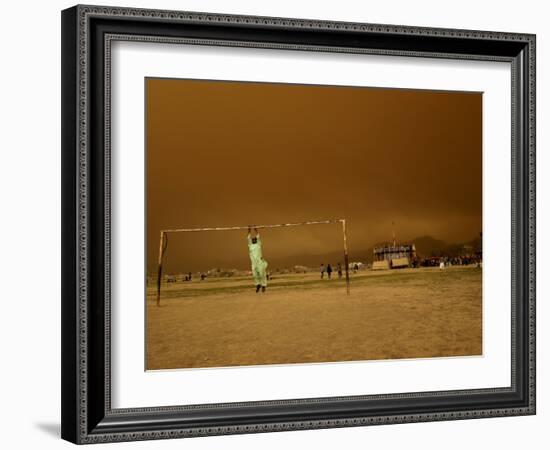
pixel 163 244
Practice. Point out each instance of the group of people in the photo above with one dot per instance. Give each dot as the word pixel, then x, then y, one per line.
pixel 328 270
pixel 189 276
pixel 459 261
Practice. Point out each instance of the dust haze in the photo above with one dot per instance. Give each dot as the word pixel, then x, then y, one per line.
pixel 234 153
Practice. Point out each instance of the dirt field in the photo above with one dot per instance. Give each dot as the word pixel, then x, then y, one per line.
pixel 411 313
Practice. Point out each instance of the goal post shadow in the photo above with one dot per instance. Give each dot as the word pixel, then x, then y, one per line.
pixel 163 243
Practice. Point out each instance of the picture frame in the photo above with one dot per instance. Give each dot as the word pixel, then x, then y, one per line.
pixel 87 412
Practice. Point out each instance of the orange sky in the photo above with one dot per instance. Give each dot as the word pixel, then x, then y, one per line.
pixel 235 153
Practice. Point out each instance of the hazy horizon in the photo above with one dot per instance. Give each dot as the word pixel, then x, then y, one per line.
pixel 233 153
pixel 240 261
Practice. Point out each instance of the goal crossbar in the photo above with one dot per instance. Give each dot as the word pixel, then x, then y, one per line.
pixel 315 222
pixel 163 242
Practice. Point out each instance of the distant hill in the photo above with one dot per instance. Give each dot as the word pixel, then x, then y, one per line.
pixel 429 246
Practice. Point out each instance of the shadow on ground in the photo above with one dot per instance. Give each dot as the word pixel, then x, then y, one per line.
pixel 53 429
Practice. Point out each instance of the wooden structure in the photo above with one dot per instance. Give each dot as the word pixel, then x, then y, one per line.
pixel 397 255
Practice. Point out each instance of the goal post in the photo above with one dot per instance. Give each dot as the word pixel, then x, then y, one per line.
pixel 163 242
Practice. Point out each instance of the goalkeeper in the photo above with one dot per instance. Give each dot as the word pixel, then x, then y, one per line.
pixel 259 264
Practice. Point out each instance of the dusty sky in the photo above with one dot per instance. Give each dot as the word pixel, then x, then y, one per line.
pixel 233 153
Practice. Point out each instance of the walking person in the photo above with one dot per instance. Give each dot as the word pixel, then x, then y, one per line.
pixel 339 268
pixel 329 271
pixel 322 271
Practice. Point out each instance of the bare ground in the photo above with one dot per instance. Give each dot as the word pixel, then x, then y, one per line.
pixel 412 313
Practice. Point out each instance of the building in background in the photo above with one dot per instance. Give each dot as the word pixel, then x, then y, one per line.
pixel 393 256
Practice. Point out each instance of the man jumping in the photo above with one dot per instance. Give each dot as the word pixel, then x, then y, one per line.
pixel 259 264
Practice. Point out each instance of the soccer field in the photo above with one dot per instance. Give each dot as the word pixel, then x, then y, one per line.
pixel 410 313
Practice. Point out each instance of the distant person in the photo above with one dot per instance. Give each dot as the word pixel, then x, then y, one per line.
pixel 355 268
pixel 190 276
pixel 322 271
pixel 259 264
pixel 441 264
pixel 329 271
pixel 339 268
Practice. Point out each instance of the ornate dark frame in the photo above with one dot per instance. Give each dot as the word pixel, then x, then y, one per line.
pixel 87 32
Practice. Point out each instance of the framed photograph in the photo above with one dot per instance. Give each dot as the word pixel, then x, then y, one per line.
pixel 276 224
